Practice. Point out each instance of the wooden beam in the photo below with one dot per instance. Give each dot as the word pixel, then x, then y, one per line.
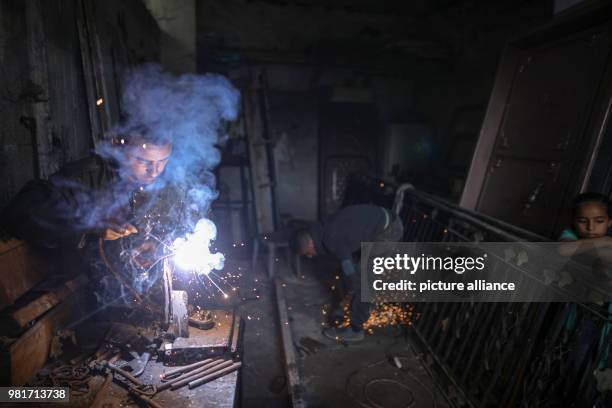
pixel 258 155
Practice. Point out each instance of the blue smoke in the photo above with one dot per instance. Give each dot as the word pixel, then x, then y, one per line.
pixel 191 110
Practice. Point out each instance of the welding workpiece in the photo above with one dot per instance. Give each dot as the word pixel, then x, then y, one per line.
pixel 202 320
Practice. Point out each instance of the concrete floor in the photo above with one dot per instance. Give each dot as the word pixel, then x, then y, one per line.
pixel 263 370
pixel 383 371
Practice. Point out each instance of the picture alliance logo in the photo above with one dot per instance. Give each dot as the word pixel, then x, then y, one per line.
pixel 411 264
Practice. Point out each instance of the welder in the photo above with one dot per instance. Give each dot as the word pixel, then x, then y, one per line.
pixel 341 236
pixel 118 201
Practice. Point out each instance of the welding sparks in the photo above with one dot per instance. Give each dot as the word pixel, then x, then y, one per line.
pixel 193 251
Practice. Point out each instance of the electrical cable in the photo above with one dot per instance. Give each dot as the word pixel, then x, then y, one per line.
pixel 116 274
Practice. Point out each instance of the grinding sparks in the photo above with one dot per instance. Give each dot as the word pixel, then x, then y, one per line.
pixel 193 251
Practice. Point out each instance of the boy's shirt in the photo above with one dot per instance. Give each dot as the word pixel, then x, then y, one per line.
pixel 570 323
pixel 568 234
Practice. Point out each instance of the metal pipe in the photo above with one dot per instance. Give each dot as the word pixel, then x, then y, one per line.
pixel 125 374
pixel 195 376
pixel 182 370
pixel 188 375
pixel 210 377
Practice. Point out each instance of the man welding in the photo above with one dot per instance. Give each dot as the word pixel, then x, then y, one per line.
pixel 341 236
pixel 102 201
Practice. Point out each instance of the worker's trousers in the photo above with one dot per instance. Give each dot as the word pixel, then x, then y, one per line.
pixel 360 311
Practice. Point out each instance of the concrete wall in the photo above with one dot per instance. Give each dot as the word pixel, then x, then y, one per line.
pixel 177 21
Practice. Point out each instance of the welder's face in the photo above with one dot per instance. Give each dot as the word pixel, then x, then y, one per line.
pixel 146 162
pixel 308 249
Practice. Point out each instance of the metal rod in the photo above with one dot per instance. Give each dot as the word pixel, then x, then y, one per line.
pixel 125 374
pixel 211 370
pixel 182 370
pixel 189 374
pixel 215 375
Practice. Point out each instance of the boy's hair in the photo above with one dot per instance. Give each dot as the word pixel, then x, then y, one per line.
pixel 300 240
pixel 590 197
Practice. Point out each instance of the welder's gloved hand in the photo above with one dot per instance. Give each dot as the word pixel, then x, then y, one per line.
pixel 115 231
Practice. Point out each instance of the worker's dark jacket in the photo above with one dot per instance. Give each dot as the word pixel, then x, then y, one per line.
pixel 67 213
pixel 342 234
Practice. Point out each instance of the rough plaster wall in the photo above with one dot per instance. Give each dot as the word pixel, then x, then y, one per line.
pixel 293 27
pixel 177 21
pixel 293 117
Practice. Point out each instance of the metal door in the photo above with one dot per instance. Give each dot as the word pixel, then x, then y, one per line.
pixel 543 127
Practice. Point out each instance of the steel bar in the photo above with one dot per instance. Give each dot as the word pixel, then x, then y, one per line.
pixel 195 376
pixel 184 369
pixel 189 374
pixel 214 375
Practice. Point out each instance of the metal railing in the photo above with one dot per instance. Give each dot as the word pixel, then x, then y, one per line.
pixel 502 354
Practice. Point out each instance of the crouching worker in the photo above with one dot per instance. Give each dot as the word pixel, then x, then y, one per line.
pixel 341 236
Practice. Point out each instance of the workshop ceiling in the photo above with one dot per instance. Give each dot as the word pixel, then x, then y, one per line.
pixel 388 34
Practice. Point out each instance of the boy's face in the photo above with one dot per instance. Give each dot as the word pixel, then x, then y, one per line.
pixel 591 220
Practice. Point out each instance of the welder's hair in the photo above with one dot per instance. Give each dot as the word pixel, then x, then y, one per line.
pixel 589 198
pixel 145 134
pixel 300 240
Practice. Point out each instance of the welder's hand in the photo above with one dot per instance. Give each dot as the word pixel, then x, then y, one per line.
pixel 144 255
pixel 116 231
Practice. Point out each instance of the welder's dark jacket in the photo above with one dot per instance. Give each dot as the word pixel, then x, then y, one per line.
pixel 341 235
pixel 70 210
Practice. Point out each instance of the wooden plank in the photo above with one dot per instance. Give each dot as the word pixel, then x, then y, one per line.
pixel 36 308
pixel 29 353
pixel 258 156
pixel 19 271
